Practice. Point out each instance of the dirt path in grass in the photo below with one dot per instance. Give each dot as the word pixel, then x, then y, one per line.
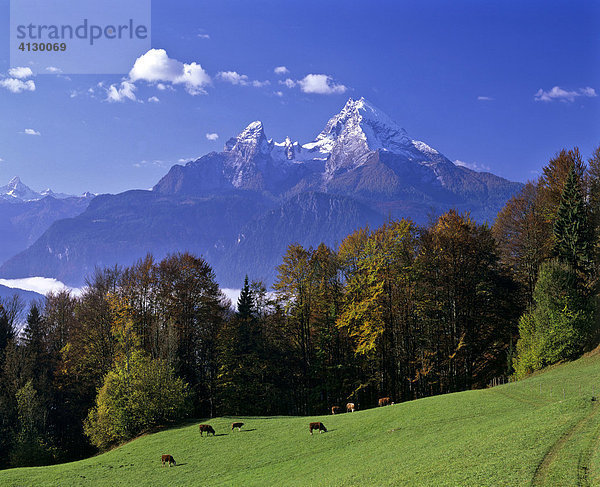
pixel 554 453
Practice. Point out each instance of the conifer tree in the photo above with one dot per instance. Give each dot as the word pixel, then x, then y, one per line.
pixel 552 182
pixel 245 304
pixel 572 239
pixel 33 331
pixel 7 331
pixel 593 188
pixel 241 381
pixel 36 360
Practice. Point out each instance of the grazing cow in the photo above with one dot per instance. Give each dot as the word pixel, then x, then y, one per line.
pixel 350 407
pixel 237 425
pixel 317 426
pixel 169 459
pixel 336 410
pixel 206 427
pixel 385 401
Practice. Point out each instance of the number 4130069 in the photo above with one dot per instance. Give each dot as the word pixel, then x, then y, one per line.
pixel 43 46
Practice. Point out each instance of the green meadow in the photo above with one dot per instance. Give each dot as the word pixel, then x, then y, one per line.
pixel 540 431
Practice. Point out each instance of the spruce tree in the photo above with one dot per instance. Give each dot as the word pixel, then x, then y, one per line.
pixel 7 331
pixel 33 331
pixel 245 304
pixel 36 362
pixel 241 375
pixel 593 188
pixel 572 236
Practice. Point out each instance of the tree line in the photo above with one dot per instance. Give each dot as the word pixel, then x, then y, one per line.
pixel 549 237
pixel 402 310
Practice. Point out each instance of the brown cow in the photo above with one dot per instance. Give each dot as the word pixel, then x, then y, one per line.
pixel 168 458
pixel 206 427
pixel 350 407
pixel 237 425
pixel 336 410
pixel 385 401
pixel 317 426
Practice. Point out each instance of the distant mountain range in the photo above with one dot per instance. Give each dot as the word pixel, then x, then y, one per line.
pixel 241 207
pixel 17 192
pixel 26 214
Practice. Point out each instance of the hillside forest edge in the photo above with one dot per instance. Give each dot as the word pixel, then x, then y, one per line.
pixel 400 311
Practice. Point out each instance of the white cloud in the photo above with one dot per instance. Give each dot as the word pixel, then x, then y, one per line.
pixel 473 166
pixel 212 136
pixel 233 77
pixel 157 67
pixel 587 91
pixel 91 92
pixel 164 87
pixel 153 99
pixel 20 72
pixel 42 285
pixel 203 36
pixel 484 98
pixel 16 85
pixel 238 79
pixel 53 70
pixel 281 70
pixel 233 296
pixel 560 94
pixel 290 83
pixel 31 132
pixel 278 93
pixel 320 84
pixel 118 94
pixel 155 162
pixel 1 160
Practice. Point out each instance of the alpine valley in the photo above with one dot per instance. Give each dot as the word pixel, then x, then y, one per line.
pixel 241 208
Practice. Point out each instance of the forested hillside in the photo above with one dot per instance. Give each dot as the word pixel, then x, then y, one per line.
pixel 400 311
pixel 541 431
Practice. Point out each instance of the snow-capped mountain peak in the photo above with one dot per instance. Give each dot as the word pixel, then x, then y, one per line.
pixel 357 131
pixel 250 142
pixel 362 121
pixel 359 138
pixel 17 192
pixel 254 131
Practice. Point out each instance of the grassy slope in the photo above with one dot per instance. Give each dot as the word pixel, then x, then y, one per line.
pixel 509 435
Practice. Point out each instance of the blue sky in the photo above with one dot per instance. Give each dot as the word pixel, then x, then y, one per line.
pixel 501 86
